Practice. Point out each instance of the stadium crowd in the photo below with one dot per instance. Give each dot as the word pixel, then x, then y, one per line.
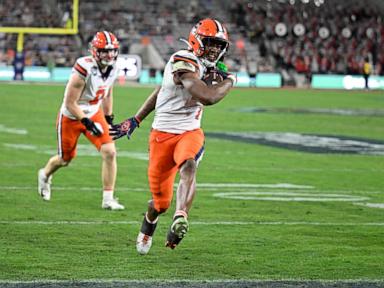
pixel 310 37
pixel 291 37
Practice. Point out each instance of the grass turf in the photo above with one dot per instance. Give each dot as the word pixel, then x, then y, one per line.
pixel 71 237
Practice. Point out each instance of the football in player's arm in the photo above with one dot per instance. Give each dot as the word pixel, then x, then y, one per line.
pixel 176 142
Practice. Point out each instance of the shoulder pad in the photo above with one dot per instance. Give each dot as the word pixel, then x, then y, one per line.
pixel 183 65
pixel 184 60
pixel 81 66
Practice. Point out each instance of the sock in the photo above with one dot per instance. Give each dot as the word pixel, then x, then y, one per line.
pixel 148 227
pixel 108 195
pixel 180 213
pixel 149 221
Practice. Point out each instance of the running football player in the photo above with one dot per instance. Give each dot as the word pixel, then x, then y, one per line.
pixel 87 109
pixel 176 142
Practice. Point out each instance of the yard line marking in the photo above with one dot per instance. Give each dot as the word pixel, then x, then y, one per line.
pixel 289 196
pixel 210 187
pixel 249 168
pixel 371 205
pixel 6 129
pixel 70 188
pixel 248 185
pixel 82 150
pixel 261 223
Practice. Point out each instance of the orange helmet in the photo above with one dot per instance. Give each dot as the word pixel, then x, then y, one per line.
pixel 105 47
pixel 205 33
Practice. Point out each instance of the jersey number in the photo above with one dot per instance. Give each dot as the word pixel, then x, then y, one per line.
pixel 99 95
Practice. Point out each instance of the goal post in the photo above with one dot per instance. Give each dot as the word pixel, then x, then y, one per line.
pixel 19 56
pixel 49 30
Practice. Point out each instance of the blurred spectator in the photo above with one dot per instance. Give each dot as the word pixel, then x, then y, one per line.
pixel 252 71
pixel 332 36
pixel 367 70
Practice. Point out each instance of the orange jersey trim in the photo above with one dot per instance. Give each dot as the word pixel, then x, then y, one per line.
pixel 81 70
pixel 185 59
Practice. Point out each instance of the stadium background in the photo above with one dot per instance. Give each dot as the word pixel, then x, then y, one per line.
pixel 290 191
pixel 299 43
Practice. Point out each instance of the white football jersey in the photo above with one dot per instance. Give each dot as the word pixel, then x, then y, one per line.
pixel 176 111
pixel 97 85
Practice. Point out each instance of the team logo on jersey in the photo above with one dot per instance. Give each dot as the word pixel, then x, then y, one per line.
pixel 94 70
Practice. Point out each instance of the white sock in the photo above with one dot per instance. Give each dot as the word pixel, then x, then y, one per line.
pixel 149 221
pixel 107 195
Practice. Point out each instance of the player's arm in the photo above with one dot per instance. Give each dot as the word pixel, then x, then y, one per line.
pixel 72 94
pixel 148 106
pixel 129 125
pixel 107 105
pixel 73 91
pixel 207 95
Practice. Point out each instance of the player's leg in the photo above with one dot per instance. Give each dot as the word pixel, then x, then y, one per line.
pixel 159 204
pixel 68 132
pixel 188 153
pixel 161 174
pixel 186 188
pixel 45 175
pixel 107 149
pixel 109 170
pixel 148 227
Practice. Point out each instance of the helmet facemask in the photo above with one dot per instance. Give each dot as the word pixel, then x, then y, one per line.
pixel 214 49
pixel 107 57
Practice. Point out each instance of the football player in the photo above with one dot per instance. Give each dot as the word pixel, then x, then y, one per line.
pixel 176 142
pixel 87 110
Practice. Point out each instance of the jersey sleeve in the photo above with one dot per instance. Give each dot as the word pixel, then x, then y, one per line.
pixel 80 68
pixel 183 63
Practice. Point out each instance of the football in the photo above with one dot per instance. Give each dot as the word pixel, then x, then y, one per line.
pixel 212 77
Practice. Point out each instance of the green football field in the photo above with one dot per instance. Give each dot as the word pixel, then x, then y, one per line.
pixel 290 188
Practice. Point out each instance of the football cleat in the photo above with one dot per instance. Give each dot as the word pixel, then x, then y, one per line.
pixel 143 243
pixel 177 231
pixel 44 185
pixel 112 205
pixel 144 239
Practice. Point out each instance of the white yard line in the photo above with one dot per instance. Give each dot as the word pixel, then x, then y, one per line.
pixel 371 205
pixel 248 185
pixel 203 223
pixel 69 188
pixel 5 129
